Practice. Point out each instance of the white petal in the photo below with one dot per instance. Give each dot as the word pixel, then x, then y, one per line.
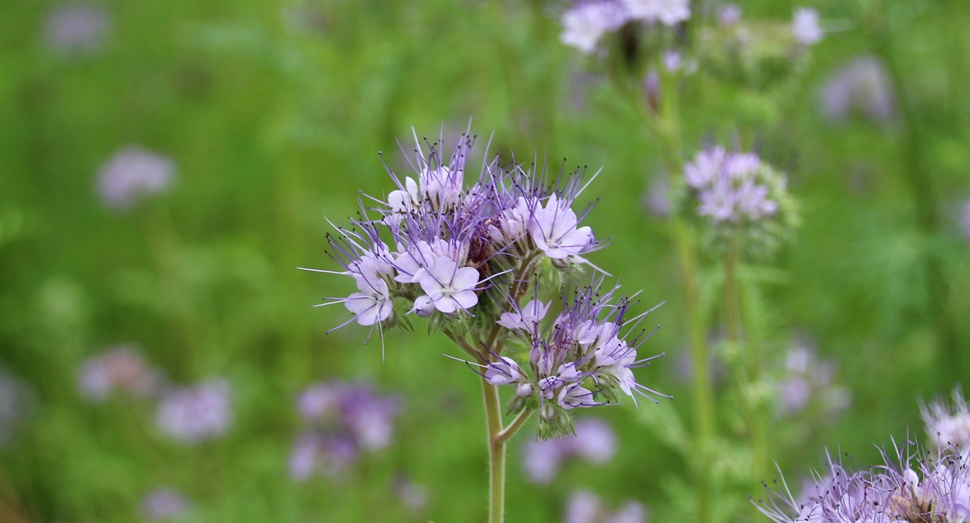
pixel 465 278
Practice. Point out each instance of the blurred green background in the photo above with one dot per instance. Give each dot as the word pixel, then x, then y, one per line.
pixel 272 113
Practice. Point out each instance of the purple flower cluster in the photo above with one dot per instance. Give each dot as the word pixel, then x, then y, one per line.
pixel 78 28
pixel 451 242
pixel 343 421
pixel 586 507
pixel 579 359
pixel 594 441
pixel 908 489
pixel 121 369
pixel 862 86
pixel 731 187
pixel 132 175
pixel 588 20
pixel 467 256
pixel 197 413
pixel 805 381
pixel 948 425
pixel 805 27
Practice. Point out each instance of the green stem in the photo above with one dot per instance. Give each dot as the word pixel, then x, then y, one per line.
pixel 510 431
pixel 496 453
pixel 752 353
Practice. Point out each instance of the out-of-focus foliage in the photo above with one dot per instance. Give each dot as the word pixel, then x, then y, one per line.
pixel 256 121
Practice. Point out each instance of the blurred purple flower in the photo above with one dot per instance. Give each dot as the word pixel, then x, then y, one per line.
pixel 413 496
pixel 345 420
pixel 948 423
pixel 585 507
pixel 667 12
pixel 657 199
pixel 77 28
pixel 861 86
pixel 197 413
pixel 588 20
pixel 806 379
pixel 121 368
pixel 163 504
pixel 133 174
pixel 729 14
pixel 594 441
pixel 805 26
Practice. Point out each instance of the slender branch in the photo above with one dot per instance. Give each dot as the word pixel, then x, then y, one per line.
pixel 510 431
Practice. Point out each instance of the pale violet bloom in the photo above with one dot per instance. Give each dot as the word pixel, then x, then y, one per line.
pixel 667 12
pixel 573 396
pixel 585 24
pixel 862 86
pixel 586 507
pixel 404 201
pixel 121 369
pixel 77 28
pixel 729 14
pixel 442 186
pixel 318 402
pixel 948 423
pixel 672 60
pixel 527 318
pixel 594 442
pixel 373 303
pixel 504 372
pixel 732 187
pixel 805 26
pixel 448 287
pixel 555 233
pixel 133 174
pixel 808 380
pixel 164 504
pixel 193 414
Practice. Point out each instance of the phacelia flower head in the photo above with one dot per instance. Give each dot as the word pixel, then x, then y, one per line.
pixel 805 26
pixel 133 174
pixel 121 369
pixel 440 247
pixel 197 413
pixel 948 423
pixel 579 359
pixel 77 29
pixel 738 197
pixel 860 87
pixel 343 421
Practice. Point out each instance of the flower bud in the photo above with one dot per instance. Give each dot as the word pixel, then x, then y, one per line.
pixel 523 390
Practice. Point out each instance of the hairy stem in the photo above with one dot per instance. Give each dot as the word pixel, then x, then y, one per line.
pixel 510 431
pixel 496 453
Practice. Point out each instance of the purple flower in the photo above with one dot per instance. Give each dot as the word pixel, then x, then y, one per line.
pixel 948 423
pixel 527 318
pixel 452 243
pixel 728 14
pixel 586 507
pixel 594 441
pixel 121 368
pixel 585 23
pixel 198 413
pixel 667 12
pixel 861 86
pixel 805 26
pixel 133 174
pixel 413 496
pixel 79 28
pixel 805 380
pixel 345 420
pixel 731 187
pixel 164 504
